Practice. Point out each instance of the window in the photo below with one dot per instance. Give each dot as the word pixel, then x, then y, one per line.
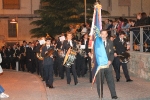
pixel 11 4
pixel 12 29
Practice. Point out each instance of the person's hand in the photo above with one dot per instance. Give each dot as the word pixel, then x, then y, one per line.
pixel 89 54
pixel 109 62
pixel 115 54
pixel 46 52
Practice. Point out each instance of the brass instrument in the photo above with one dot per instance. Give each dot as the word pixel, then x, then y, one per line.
pixel 38 55
pixel 124 57
pixel 49 53
pixel 69 58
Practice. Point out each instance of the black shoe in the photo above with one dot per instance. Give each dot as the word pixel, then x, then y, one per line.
pixel 51 86
pixel 129 80
pixel 47 85
pixel 68 83
pixel 114 97
pixel 76 83
pixel 117 80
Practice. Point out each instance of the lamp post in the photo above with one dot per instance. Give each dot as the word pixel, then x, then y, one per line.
pixel 85 10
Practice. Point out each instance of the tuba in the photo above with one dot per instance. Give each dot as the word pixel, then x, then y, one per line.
pixel 70 57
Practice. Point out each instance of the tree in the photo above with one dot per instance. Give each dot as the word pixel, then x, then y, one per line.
pixel 57 15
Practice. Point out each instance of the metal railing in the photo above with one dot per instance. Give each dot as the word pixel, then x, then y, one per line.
pixel 140 36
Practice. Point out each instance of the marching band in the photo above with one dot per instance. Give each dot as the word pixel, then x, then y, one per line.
pixel 33 57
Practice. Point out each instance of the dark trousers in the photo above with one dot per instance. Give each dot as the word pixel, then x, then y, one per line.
pixel 107 72
pixel 61 68
pixel 41 69
pixel 116 65
pixel 56 64
pixel 48 69
pixel 13 63
pixel 37 66
pixel 8 62
pixel 90 70
pixel 73 72
pixel 80 65
pixel 23 62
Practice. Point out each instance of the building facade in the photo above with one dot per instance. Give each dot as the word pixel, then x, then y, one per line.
pixel 126 7
pixel 23 12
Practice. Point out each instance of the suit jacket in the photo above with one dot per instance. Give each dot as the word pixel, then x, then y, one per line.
pixel 66 45
pixel 109 50
pixel 86 45
pixel 119 46
pixel 30 54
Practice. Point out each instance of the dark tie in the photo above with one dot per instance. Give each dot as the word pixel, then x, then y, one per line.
pixel 104 44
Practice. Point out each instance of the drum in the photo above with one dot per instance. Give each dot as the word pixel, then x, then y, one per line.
pixel 124 57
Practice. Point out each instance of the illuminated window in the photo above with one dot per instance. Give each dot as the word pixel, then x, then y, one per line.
pixel 11 4
pixel 12 29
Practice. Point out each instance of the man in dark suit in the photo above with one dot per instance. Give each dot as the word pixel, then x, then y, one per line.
pixel 66 45
pixel 87 60
pixel 23 55
pixel 45 50
pixel 107 71
pixel 120 48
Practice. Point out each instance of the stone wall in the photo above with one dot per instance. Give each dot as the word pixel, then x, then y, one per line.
pixel 139 65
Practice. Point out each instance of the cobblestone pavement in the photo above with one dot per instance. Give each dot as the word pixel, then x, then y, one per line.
pixel 26 86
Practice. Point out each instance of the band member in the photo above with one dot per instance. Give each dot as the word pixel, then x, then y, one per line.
pixel 14 58
pixel 66 45
pixel 23 55
pixel 36 50
pixel 47 53
pixel 9 55
pixel 107 71
pixel 30 57
pixel 120 48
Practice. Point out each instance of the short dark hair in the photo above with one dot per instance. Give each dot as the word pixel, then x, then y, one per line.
pixel 47 39
pixel 122 33
pixel 103 31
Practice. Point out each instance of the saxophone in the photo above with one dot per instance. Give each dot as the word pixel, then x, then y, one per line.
pixel 38 55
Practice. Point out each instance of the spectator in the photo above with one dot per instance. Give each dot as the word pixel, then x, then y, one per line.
pixel 106 24
pixel 2 94
pixel 125 27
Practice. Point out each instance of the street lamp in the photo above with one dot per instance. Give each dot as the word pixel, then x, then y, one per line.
pixel 13 20
pixel 85 10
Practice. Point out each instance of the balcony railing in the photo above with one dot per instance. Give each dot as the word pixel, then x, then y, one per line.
pixel 140 38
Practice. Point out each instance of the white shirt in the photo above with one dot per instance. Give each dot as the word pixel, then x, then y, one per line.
pixel 70 42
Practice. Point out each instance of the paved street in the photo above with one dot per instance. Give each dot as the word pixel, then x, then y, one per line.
pixel 27 86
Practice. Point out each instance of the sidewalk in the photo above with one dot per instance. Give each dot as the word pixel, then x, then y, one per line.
pixel 22 86
pixel 26 86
